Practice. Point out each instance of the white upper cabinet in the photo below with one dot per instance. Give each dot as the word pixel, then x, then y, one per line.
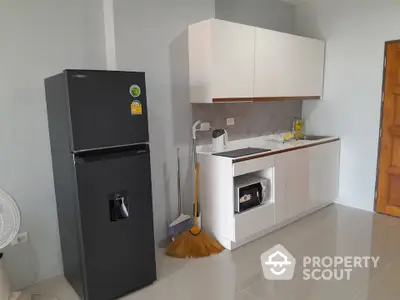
pixel 232 59
pixel 288 65
pixel 235 62
pixel 221 56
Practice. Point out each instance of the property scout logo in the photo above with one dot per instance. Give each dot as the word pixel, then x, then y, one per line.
pixel 278 264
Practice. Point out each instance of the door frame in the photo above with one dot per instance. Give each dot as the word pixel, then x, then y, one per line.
pixel 381 121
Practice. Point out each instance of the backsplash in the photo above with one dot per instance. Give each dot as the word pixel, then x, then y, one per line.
pixel 251 119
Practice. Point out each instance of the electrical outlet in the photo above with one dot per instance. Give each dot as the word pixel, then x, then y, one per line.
pixel 21 238
pixel 230 121
pixel 204 126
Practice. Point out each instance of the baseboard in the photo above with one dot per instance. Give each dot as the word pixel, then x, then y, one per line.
pixel 340 201
pixel 18 296
pixel 163 243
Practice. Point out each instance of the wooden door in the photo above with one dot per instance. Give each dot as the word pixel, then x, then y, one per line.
pixel 388 197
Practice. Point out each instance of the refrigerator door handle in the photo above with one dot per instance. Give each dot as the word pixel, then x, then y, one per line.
pixel 109 153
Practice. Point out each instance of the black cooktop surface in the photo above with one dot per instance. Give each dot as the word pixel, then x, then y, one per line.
pixel 241 152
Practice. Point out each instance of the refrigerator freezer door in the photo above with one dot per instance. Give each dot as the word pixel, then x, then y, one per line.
pixel 115 203
pixel 107 109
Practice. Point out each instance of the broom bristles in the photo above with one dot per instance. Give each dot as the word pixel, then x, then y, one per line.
pixel 187 245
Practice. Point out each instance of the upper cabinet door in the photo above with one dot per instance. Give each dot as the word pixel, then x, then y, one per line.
pixel 232 60
pixel 287 65
pixel 221 60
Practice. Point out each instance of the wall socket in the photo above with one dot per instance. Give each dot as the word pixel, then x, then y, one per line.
pixel 21 238
pixel 230 121
pixel 205 126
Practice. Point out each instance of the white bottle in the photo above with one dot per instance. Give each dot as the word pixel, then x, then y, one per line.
pixel 220 140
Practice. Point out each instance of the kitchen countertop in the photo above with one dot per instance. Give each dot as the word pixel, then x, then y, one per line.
pixel 273 142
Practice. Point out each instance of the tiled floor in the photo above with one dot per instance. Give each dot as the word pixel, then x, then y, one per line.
pixel 335 230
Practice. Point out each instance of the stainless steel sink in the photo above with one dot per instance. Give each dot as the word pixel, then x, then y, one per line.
pixel 313 137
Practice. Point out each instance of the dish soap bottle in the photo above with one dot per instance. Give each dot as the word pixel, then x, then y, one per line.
pixel 298 126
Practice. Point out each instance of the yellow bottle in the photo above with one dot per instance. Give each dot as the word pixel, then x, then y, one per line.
pixel 298 125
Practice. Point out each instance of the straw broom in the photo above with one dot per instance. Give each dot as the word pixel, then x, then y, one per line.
pixel 194 243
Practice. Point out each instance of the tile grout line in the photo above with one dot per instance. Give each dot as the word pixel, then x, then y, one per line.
pixel 373 279
pixel 244 293
pixel 249 286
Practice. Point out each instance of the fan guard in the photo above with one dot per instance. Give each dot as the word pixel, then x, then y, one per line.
pixel 10 219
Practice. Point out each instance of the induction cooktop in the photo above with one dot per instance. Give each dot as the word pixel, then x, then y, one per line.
pixel 241 152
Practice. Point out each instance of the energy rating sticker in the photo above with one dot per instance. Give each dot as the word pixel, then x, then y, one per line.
pixel 136 108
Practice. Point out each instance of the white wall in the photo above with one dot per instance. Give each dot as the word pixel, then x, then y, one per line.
pixel 38 39
pixel 356 32
pixel 271 14
pixel 148 35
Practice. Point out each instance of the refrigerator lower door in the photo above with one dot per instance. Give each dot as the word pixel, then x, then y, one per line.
pixel 116 214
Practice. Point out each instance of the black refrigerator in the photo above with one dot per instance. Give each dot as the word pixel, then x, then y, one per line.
pixel 101 163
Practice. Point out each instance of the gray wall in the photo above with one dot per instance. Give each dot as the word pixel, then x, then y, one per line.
pixel 41 38
pixel 252 119
pixel 38 39
pixel 271 14
pixel 150 37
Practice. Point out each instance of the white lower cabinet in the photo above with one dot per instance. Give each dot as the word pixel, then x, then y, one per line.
pixel 306 179
pixel 253 221
pixel 292 184
pixel 302 180
pixel 324 173
pixel 253 165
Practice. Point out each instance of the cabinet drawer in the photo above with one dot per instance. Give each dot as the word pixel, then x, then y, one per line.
pixel 253 221
pixel 253 165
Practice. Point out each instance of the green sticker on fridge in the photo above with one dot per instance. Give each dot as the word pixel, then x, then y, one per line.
pixel 135 91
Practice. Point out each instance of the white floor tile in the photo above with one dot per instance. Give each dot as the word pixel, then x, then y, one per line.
pixel 237 275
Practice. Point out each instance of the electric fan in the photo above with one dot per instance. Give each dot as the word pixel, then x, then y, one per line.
pixel 9 226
